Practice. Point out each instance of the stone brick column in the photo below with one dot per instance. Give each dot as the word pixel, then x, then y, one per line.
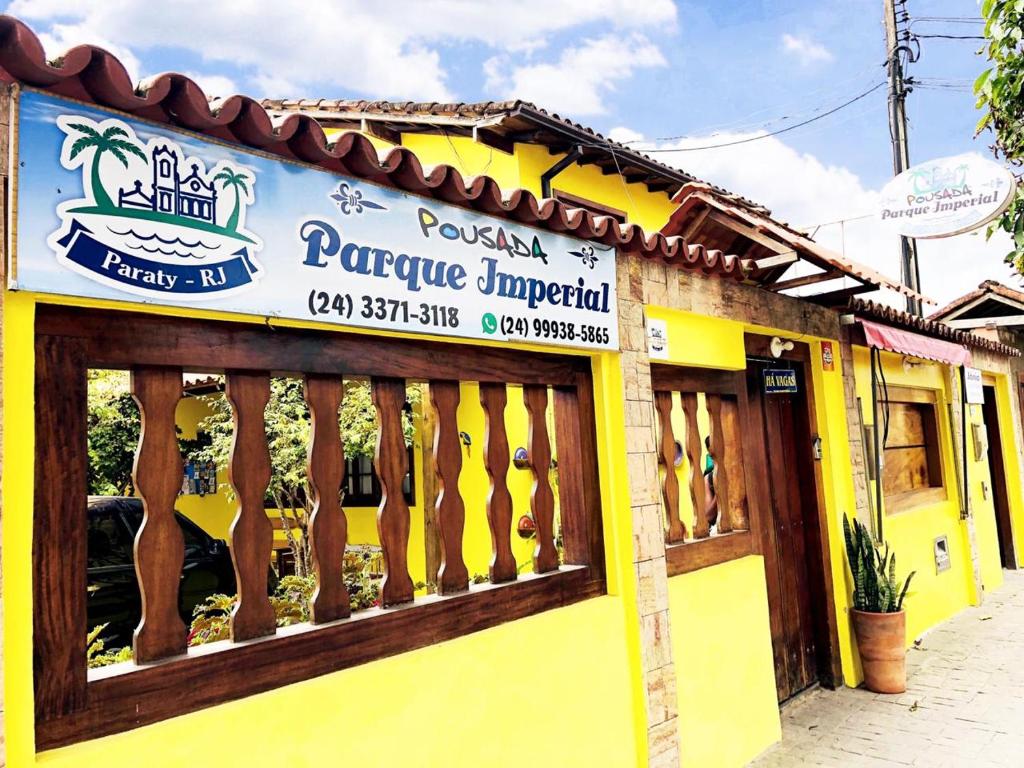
pixel 638 283
pixel 855 426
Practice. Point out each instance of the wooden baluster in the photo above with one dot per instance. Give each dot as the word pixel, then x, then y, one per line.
pixel 393 513
pixel 159 544
pixel 718 453
pixel 493 398
pixel 450 509
pixel 670 484
pixel 733 436
pixel 694 446
pixel 328 528
pixel 542 499
pixel 251 534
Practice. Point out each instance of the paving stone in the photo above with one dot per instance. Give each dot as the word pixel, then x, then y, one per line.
pixel 963 707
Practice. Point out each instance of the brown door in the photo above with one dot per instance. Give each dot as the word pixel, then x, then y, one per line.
pixel 997 469
pixel 790 537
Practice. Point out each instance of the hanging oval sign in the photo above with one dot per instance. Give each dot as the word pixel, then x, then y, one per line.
pixel 946 197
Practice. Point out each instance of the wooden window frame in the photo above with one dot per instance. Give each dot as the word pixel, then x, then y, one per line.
pixel 373 498
pixel 687 556
pixel 906 501
pixel 74 705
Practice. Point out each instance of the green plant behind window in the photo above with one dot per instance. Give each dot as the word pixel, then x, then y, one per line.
pixel 875 588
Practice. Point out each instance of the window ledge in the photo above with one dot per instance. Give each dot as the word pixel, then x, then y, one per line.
pixel 703 553
pixel 913 500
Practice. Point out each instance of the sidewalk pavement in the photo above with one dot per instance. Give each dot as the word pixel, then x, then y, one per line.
pixel 964 704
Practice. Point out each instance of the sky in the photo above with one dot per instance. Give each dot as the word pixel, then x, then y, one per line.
pixel 657 73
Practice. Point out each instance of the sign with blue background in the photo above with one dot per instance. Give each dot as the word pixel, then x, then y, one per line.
pixel 779 381
pixel 111 207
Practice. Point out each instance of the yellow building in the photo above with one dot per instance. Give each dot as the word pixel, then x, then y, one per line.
pixel 642 622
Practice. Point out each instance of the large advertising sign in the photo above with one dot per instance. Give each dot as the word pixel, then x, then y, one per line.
pixel 111 207
pixel 946 197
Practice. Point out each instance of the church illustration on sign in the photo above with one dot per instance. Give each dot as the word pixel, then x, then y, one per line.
pixel 190 197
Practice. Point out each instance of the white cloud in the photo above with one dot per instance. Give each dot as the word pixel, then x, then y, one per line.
pixel 336 47
pixel 214 85
pixel 806 50
pixel 806 192
pixel 61 37
pixel 625 135
pixel 580 81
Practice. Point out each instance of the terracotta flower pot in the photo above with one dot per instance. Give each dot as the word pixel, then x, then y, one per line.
pixel 881 640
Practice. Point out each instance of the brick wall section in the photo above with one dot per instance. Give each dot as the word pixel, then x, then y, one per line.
pixel 638 282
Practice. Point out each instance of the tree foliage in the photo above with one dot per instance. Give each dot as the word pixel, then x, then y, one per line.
pixel 113 419
pixel 1000 92
pixel 288 428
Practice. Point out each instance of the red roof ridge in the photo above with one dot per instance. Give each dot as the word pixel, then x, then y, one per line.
pixel 94 75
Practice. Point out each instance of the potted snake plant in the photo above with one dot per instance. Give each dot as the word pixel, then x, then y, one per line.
pixel 879 621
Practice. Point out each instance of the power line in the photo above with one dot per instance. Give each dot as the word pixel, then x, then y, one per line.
pixel 823 115
pixel 948 37
pixel 948 19
pixel 746 122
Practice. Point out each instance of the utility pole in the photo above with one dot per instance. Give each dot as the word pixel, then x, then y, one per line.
pixel 910 274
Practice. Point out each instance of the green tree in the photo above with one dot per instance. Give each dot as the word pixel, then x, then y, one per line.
pixel 1000 92
pixel 288 427
pixel 236 181
pixel 113 419
pixel 101 143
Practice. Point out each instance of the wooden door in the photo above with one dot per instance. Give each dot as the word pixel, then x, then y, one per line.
pixel 789 532
pixel 997 470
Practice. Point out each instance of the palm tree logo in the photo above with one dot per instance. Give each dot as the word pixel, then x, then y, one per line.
pixel 237 181
pixel 112 141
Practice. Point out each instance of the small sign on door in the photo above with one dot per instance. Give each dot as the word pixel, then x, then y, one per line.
pixel 974 391
pixel 778 381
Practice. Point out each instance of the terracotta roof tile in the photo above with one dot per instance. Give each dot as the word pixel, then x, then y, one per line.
pixel 488 109
pixel 928 327
pixel 94 75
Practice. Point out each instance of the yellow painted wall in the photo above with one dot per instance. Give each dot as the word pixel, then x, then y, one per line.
pixel 725 671
pixel 523 170
pixel 700 341
pixel 837 490
pixel 563 686
pixel 648 209
pixel 935 597
pixel 551 689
